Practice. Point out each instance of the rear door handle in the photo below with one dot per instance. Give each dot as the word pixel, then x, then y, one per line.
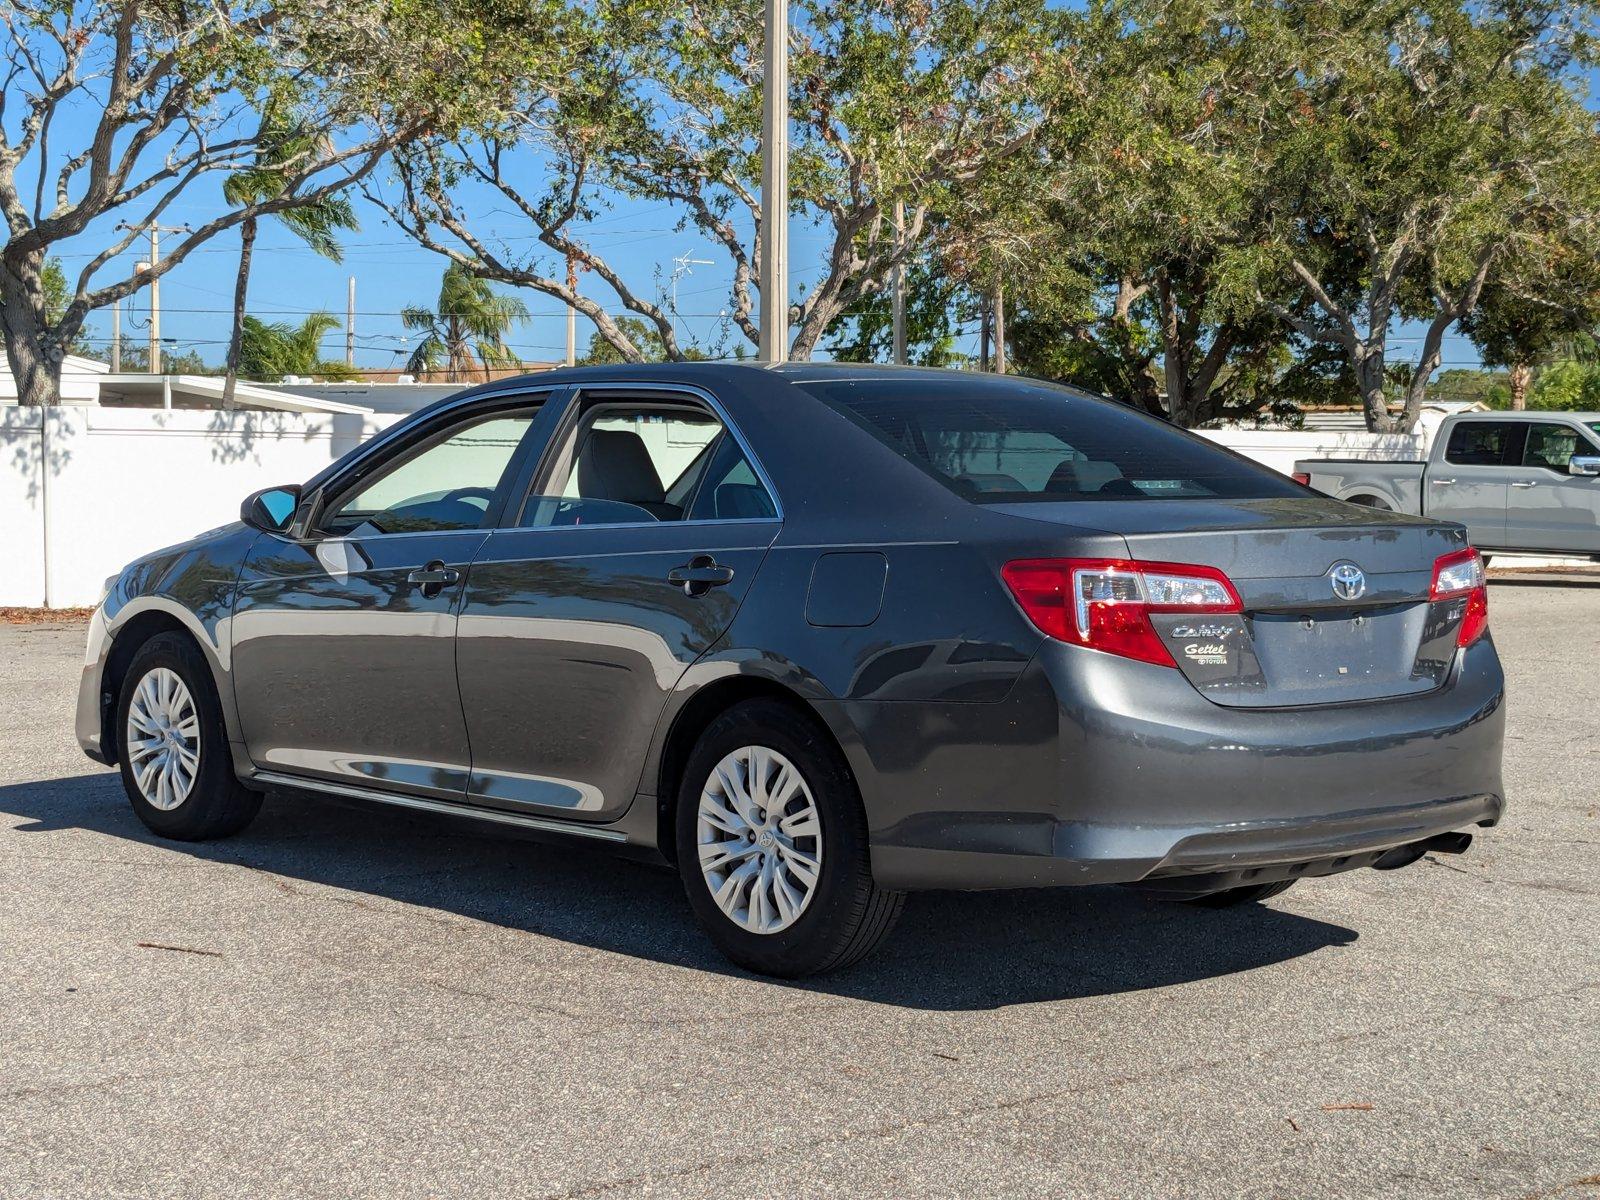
pixel 1441 482
pixel 699 575
pixel 433 578
pixel 1525 483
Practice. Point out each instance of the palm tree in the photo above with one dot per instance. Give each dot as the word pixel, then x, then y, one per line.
pixel 271 350
pixel 315 224
pixel 468 329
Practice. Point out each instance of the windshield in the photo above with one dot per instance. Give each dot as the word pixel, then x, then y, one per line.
pixel 1005 440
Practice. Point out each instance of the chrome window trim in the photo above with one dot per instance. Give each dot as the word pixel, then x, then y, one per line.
pixel 575 398
pixel 394 441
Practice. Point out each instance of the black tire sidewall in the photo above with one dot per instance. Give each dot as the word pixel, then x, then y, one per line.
pixel 815 941
pixel 209 807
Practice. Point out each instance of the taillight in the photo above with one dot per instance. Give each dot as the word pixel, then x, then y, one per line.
pixel 1105 603
pixel 1459 575
pixel 1303 477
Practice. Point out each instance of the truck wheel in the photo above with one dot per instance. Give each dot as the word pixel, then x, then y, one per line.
pixel 1372 502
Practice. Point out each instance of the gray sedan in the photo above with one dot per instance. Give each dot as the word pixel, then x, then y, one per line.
pixel 819 636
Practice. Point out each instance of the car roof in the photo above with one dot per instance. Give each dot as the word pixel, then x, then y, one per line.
pixel 1530 414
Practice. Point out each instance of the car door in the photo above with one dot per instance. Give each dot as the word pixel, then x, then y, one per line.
pixel 1549 508
pixel 637 541
pixel 1471 484
pixel 344 636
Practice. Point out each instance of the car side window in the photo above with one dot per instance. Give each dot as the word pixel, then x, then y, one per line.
pixel 635 462
pixel 1480 443
pixel 730 490
pixel 1551 446
pixel 446 483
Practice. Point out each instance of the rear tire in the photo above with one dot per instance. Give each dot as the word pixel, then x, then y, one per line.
pixel 1249 894
pixel 795 878
pixel 172 745
pixel 1372 502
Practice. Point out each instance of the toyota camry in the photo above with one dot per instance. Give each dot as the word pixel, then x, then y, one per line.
pixel 819 636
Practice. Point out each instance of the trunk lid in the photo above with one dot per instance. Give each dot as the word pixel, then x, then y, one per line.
pixel 1300 640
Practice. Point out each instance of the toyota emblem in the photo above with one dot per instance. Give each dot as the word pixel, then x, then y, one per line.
pixel 1349 581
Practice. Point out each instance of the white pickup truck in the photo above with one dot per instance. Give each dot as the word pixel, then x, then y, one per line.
pixel 1521 482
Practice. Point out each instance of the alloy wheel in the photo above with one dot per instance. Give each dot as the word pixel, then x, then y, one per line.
pixel 760 839
pixel 163 739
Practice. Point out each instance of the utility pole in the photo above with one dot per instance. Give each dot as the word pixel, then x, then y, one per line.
pixel 899 285
pixel 775 185
pixel 572 313
pixel 116 335
pixel 983 335
pixel 155 231
pixel 350 325
pixel 999 330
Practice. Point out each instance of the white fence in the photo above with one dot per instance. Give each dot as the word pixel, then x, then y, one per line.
pixel 85 490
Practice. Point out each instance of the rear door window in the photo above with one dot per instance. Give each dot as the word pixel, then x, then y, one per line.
pixel 1552 446
pixel 995 440
pixel 639 462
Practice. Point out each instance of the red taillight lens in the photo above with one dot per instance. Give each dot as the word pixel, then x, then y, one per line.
pixel 1105 603
pixel 1302 477
pixel 1459 575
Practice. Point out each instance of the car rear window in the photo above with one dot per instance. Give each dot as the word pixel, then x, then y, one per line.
pixel 1007 440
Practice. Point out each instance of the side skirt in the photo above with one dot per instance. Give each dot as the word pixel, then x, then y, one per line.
pixel 445 807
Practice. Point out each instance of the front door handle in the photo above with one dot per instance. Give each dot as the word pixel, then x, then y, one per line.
pixel 433 578
pixel 699 575
pixel 1525 483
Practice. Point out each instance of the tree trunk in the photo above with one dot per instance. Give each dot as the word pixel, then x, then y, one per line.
pixel 1374 399
pixel 1521 381
pixel 247 246
pixel 33 350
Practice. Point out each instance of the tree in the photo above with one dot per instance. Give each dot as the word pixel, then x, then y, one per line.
pixel 269 351
pixel 280 143
pixel 1535 310
pixel 644 339
pixel 662 101
pixel 467 331
pixel 162 96
pixel 1400 155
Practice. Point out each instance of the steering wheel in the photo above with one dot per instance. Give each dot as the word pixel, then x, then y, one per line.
pixel 470 493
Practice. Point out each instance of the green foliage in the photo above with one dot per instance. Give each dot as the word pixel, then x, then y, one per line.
pixel 465 333
pixel 864 332
pixel 642 335
pixel 1570 386
pixel 271 350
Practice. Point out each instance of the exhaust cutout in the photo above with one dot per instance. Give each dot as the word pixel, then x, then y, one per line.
pixel 1439 843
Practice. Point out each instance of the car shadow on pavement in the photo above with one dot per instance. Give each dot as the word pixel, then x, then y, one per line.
pixel 951 951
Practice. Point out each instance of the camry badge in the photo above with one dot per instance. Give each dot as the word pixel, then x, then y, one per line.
pixel 1349 581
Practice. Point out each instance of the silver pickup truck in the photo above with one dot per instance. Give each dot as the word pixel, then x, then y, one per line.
pixel 1521 482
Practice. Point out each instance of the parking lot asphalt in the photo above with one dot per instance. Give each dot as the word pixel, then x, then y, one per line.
pixel 343 1002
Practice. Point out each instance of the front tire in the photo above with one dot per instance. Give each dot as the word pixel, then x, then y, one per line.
pixel 172 746
pixel 772 845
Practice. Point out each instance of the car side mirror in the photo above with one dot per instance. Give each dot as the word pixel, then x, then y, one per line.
pixel 271 509
pixel 1584 464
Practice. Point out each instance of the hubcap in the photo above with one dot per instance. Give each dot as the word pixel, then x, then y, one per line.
pixel 163 739
pixel 760 839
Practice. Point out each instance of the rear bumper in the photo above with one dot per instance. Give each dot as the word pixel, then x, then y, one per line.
pixel 1100 770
